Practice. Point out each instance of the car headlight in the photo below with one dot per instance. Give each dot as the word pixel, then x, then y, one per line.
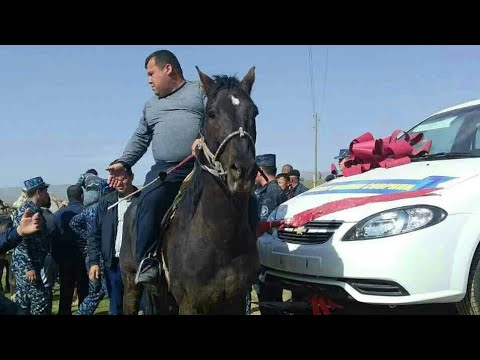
pixel 396 221
pixel 278 214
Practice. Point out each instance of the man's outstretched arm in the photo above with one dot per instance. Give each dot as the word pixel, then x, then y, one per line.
pixel 12 237
pixel 136 147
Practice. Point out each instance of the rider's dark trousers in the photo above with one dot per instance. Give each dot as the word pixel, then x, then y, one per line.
pixel 154 202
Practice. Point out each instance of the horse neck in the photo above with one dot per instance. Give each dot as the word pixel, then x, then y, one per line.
pixel 215 194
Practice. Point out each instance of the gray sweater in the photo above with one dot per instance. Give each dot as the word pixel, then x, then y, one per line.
pixel 170 123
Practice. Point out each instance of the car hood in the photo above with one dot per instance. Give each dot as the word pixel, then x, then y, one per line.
pixel 439 174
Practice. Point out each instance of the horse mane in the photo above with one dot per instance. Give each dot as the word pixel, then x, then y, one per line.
pixel 194 191
pixel 226 82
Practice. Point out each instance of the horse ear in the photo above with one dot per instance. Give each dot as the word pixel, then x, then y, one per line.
pixel 248 80
pixel 206 80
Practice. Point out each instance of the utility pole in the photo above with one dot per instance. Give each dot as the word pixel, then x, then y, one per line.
pixel 315 116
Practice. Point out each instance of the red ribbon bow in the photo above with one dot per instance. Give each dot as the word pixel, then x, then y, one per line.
pixel 368 153
pixel 333 169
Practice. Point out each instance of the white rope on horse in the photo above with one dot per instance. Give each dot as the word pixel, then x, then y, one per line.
pixel 216 168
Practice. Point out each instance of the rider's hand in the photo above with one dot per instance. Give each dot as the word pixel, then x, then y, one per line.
pixel 116 171
pixel 195 146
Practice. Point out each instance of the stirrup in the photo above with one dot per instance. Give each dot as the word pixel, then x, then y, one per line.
pixel 149 271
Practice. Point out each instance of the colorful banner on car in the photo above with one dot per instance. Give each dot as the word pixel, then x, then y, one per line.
pixel 386 186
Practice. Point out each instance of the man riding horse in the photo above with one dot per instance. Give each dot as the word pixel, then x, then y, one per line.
pixel 170 121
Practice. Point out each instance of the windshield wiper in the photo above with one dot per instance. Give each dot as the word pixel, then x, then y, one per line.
pixel 446 155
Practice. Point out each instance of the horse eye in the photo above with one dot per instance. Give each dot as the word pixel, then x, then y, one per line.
pixel 211 114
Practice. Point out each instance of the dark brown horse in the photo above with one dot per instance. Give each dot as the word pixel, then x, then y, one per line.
pixel 209 248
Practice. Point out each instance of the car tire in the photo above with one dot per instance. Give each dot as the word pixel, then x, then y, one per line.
pixel 470 305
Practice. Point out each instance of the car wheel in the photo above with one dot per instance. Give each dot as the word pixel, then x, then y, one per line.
pixel 470 305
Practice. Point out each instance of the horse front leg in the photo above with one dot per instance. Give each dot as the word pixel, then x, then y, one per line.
pixel 187 308
pixel 132 293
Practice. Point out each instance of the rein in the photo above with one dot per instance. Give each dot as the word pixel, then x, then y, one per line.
pixel 214 166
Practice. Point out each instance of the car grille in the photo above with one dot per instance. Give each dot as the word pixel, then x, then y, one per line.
pixel 314 232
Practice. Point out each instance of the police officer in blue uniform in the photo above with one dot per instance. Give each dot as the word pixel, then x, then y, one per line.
pixel 29 256
pixel 269 196
pixel 9 239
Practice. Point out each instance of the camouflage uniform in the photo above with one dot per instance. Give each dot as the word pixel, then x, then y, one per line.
pixel 83 224
pixel 30 255
pixel 93 185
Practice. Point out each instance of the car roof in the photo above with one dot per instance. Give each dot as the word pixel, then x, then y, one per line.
pixel 459 106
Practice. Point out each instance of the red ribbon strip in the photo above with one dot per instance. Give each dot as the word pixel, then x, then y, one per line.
pixel 306 216
pixel 264 226
pixel 339 205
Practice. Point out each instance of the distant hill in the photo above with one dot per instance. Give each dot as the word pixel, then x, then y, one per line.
pixel 11 194
pixel 307 178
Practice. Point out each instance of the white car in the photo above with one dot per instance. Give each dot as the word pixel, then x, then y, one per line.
pixel 408 251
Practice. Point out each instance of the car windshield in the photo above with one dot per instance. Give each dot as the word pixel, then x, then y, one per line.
pixel 453 133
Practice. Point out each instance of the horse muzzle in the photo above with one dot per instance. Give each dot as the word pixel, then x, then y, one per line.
pixel 240 177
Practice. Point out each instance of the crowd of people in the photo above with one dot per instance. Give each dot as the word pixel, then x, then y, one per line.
pixel 79 245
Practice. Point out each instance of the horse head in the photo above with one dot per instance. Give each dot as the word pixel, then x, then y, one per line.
pixel 229 131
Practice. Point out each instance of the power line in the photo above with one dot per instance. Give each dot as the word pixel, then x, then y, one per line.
pixel 312 80
pixel 315 115
pixel 315 124
pixel 324 84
